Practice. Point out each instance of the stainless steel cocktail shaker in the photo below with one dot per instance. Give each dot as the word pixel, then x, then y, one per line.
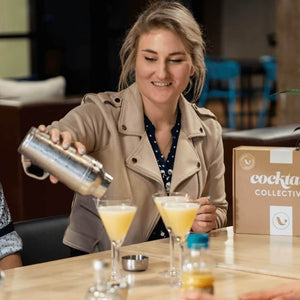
pixel 82 174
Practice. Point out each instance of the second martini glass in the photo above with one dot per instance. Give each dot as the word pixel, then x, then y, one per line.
pixel 180 215
pixel 159 200
pixel 116 216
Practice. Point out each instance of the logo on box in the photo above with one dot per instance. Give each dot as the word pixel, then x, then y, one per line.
pixel 247 161
pixel 281 220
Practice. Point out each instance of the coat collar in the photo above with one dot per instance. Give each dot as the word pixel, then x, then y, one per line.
pixel 131 120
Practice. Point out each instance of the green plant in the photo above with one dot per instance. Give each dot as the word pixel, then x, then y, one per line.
pixel 292 91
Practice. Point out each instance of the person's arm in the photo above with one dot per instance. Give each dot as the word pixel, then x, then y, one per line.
pixel 11 261
pixel 213 210
pixel 289 291
pixel 10 241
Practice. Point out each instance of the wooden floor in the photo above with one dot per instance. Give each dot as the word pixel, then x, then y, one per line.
pixel 245 120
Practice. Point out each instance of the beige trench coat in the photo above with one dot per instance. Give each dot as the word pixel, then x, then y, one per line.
pixel 111 126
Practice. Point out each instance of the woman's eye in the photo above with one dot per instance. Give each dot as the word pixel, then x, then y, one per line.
pixel 149 58
pixel 175 61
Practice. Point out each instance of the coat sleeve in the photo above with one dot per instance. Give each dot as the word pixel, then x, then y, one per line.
pixel 215 183
pixel 85 123
pixel 10 241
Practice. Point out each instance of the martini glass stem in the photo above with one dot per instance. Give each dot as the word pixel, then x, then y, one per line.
pixel 181 247
pixel 172 243
pixel 115 258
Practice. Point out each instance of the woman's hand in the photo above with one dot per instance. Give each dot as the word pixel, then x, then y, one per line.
pixel 288 291
pixel 206 216
pixel 66 141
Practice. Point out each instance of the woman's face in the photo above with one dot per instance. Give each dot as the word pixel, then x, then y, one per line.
pixel 163 66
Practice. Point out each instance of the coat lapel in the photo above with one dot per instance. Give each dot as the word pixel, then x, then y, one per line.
pixel 143 161
pixel 187 160
pixel 140 158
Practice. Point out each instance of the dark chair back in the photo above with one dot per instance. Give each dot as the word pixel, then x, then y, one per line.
pixel 42 239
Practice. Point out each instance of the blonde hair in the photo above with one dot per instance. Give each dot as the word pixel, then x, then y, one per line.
pixel 172 16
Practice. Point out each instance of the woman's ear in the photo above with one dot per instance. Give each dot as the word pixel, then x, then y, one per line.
pixel 192 72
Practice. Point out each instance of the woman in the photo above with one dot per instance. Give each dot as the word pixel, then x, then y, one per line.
pixel 10 242
pixel 147 135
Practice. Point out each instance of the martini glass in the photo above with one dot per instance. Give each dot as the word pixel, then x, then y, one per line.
pixel 180 215
pixel 159 199
pixel 116 216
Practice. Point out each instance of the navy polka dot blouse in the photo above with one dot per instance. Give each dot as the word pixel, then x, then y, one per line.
pixel 165 166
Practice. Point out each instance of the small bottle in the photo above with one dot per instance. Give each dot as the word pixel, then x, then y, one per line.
pixel 100 290
pixel 198 265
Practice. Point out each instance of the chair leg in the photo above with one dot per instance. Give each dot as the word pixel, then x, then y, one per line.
pixel 262 114
pixel 232 110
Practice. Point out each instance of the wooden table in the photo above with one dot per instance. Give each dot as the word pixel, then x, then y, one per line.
pixel 244 263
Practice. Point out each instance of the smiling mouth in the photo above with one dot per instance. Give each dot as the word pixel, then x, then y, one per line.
pixel 161 84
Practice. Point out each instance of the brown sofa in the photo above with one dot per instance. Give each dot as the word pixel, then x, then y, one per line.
pixel 282 136
pixel 27 197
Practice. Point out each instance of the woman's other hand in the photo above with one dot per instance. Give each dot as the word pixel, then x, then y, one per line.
pixel 205 219
pixel 66 141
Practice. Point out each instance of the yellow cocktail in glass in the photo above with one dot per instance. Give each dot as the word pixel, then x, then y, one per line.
pixel 159 200
pixel 116 216
pixel 116 220
pixel 180 215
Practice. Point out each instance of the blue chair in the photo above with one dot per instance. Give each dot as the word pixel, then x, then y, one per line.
pixel 269 100
pixel 220 82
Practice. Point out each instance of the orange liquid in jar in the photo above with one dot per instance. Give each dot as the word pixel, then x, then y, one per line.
pixel 200 281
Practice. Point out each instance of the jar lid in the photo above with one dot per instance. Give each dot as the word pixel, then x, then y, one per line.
pixel 197 240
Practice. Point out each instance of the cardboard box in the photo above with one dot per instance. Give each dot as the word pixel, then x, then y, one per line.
pixel 266 190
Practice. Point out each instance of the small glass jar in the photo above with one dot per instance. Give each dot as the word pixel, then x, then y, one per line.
pixel 198 265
